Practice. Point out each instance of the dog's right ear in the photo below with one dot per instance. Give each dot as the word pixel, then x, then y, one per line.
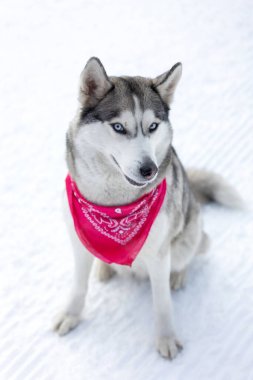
pixel 94 83
pixel 166 83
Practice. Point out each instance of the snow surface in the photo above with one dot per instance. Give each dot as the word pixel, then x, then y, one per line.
pixel 44 46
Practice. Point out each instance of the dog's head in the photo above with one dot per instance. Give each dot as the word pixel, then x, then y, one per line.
pixel 126 118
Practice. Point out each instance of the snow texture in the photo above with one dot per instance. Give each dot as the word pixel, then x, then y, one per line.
pixel 44 46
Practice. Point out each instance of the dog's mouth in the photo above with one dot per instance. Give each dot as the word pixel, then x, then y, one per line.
pixel 134 183
pixel 130 180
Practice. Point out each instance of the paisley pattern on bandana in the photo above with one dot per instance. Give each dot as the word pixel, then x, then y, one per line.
pixel 114 234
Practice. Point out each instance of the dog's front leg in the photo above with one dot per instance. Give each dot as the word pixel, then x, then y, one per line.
pixel 70 317
pixel 159 272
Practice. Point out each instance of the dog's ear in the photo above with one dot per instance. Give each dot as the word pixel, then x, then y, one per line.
pixel 94 83
pixel 166 83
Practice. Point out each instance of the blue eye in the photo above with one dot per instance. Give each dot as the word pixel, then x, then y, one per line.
pixel 119 128
pixel 153 127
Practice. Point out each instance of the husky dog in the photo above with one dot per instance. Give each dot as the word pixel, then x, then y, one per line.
pixel 119 147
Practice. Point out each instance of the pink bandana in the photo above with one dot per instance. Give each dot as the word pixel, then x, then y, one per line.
pixel 114 234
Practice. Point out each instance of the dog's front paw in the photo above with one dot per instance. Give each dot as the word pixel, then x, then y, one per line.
pixel 65 322
pixel 168 347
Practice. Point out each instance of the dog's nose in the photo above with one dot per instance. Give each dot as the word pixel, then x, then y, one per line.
pixel 148 170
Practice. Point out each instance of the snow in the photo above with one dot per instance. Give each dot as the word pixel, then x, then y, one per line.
pixel 44 46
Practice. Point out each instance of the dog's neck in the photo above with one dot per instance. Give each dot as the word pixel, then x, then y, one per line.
pixel 100 181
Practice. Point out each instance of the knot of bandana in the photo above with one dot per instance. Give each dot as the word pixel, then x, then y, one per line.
pixel 114 234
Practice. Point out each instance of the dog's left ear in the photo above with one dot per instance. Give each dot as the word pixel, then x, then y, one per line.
pixel 94 83
pixel 166 83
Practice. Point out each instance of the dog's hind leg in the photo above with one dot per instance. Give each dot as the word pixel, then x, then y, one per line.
pixel 104 271
pixel 192 241
pixel 178 279
pixel 204 244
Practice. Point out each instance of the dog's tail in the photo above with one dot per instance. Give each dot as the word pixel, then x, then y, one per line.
pixel 211 187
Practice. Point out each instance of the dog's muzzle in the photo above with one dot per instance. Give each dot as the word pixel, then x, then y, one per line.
pixel 148 172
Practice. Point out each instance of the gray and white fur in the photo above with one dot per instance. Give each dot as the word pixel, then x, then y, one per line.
pixel 119 147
